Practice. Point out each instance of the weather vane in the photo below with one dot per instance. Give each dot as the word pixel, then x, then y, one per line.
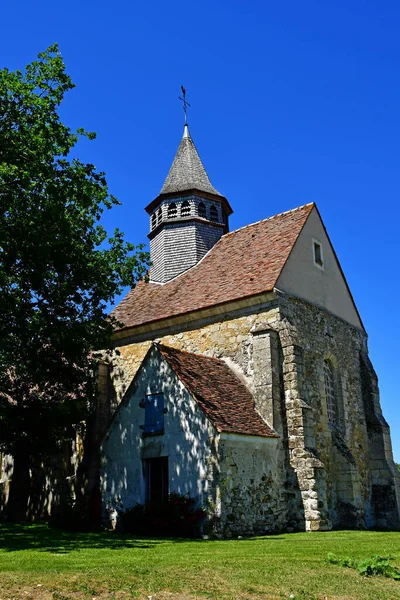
pixel 184 101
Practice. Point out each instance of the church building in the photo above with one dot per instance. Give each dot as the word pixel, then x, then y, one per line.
pixel 242 376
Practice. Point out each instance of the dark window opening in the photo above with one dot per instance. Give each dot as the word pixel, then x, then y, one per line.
pixel 154 414
pixel 153 220
pixel 155 472
pixel 318 254
pixel 330 392
pixel 172 211
pixel 185 209
pixel 213 213
pixel 159 215
pixel 202 210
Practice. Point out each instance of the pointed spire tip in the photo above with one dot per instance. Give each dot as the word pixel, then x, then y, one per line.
pixel 187 171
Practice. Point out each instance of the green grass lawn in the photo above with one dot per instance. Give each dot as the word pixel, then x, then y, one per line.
pixel 40 563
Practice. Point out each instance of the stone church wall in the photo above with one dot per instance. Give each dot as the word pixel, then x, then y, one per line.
pixel 325 473
pixel 251 486
pixel 347 477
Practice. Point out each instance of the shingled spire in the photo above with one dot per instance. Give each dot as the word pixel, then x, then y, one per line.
pixel 187 172
pixel 188 216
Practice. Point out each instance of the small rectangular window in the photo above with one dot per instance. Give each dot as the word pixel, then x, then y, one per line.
pixel 318 254
pixel 154 414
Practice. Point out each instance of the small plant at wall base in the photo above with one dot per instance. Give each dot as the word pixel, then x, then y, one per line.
pixel 179 516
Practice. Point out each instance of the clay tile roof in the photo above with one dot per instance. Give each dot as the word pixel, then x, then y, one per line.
pixel 243 263
pixel 220 394
pixel 187 171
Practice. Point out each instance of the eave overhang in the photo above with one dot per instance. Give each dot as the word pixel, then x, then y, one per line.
pixel 158 328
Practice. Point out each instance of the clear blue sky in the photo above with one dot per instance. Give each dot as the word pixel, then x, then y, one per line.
pixel 292 102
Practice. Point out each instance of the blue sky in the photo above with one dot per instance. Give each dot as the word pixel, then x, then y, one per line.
pixel 292 102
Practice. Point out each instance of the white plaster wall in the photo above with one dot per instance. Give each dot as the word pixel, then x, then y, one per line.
pixel 187 440
pixel 325 288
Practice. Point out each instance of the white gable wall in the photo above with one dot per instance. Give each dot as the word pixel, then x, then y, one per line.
pixel 324 287
pixel 187 440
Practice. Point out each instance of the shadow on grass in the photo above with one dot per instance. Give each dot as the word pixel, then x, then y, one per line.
pixel 38 536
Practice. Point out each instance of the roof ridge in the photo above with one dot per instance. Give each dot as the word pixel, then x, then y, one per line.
pixel 285 212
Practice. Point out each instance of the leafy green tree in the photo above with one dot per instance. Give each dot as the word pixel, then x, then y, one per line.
pixel 58 269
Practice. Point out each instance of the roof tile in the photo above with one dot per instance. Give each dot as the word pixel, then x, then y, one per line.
pixel 219 392
pixel 243 263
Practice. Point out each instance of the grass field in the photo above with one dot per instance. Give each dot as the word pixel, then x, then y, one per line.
pixel 42 564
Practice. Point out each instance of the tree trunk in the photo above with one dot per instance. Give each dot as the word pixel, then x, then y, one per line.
pixel 20 487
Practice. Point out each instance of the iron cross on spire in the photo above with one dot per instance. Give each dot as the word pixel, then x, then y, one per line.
pixel 184 102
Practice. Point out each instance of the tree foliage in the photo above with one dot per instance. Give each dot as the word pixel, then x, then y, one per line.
pixel 58 268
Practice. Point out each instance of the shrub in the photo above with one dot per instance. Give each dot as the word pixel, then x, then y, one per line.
pixel 346 561
pixel 72 515
pixel 378 565
pixel 368 567
pixel 179 516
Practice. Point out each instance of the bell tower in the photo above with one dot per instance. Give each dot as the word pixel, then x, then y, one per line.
pixel 188 216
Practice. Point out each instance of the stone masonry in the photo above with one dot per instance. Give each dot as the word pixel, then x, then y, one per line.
pixel 321 475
